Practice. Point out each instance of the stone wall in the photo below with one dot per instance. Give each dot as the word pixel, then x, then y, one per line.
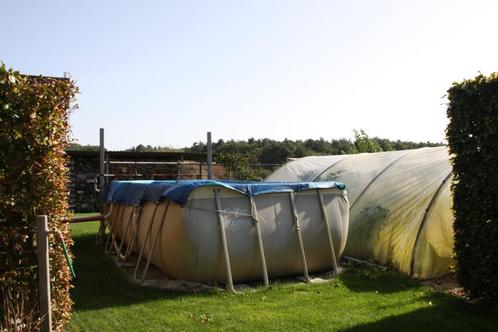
pixel 84 172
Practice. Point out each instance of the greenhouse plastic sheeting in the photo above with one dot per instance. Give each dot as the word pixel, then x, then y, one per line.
pixel 400 205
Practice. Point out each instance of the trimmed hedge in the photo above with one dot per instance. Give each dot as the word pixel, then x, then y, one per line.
pixel 473 140
pixel 34 132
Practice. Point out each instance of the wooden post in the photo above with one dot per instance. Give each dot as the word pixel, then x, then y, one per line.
pixel 102 181
pixel 209 156
pixel 44 274
pixel 101 159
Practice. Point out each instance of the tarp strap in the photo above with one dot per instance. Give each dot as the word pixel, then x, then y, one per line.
pixel 299 236
pixel 427 212
pixel 255 218
pixel 125 234
pixel 376 177
pixel 223 212
pixel 327 229
pixel 139 258
pixel 154 244
pixel 136 216
pixel 224 241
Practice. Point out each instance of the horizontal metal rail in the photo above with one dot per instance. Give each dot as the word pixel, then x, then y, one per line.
pixel 123 162
pixel 154 174
pixel 74 220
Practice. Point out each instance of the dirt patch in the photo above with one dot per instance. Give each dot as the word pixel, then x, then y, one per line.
pixel 448 285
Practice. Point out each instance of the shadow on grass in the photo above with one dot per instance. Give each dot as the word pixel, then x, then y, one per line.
pixel 368 279
pixel 444 315
pixel 99 283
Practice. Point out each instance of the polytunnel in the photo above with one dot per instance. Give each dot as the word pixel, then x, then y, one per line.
pixel 400 205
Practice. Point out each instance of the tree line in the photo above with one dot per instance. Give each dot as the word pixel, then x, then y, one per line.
pixel 254 159
pixel 269 151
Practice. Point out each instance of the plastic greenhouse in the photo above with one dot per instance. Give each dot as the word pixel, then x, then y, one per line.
pixel 400 205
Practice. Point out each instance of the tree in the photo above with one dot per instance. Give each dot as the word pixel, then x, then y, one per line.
pixel 237 166
pixel 363 143
pixel 274 154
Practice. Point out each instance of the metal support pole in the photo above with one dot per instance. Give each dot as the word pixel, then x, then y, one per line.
pixel 101 179
pixel 44 273
pixel 254 215
pixel 299 236
pixel 224 241
pixel 108 221
pixel 110 224
pixel 116 226
pixel 329 236
pixel 209 156
pixel 101 159
pixel 139 259
pixel 426 215
pixel 154 244
pixel 134 233
pixel 127 227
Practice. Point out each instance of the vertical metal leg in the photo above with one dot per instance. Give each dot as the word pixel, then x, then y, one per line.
pixel 119 222
pixel 134 233
pixel 329 236
pixel 158 234
pixel 139 259
pixel 130 221
pixel 255 218
pixel 111 239
pixel 108 221
pixel 107 210
pixel 299 237
pixel 224 241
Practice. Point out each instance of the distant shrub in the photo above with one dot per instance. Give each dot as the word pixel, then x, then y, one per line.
pixel 473 139
pixel 33 135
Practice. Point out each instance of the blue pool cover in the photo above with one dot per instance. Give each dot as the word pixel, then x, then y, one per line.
pixel 178 191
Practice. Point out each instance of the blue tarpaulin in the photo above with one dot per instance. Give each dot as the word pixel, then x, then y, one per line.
pixel 137 192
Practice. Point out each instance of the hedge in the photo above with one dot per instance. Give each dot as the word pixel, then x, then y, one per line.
pixel 473 140
pixel 34 132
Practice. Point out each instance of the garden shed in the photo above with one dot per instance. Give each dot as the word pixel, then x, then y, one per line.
pixel 400 205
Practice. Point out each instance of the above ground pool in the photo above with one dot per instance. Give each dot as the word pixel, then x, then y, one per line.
pixel 226 231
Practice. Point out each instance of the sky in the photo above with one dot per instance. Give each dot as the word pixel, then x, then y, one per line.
pixel 166 72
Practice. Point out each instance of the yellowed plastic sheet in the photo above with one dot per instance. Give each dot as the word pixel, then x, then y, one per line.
pixel 400 205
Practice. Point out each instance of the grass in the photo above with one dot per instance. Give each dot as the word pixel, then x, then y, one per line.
pixel 359 299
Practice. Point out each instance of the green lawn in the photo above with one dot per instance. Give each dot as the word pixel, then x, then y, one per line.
pixel 359 299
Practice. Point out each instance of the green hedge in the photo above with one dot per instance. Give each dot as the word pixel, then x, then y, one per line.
pixel 34 130
pixel 473 140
